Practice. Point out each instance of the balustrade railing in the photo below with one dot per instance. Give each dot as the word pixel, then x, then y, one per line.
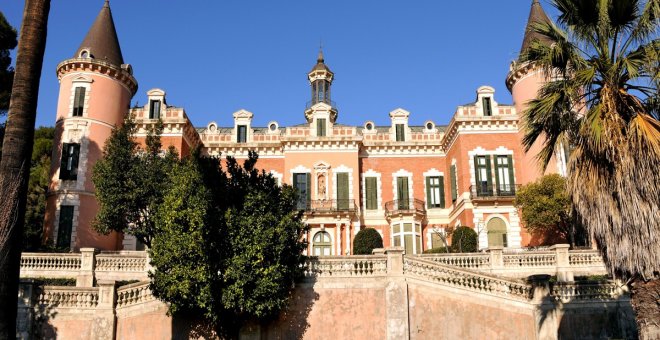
pixel 463 279
pixel 465 260
pixel 131 262
pixel 405 206
pixel 585 258
pixel 579 291
pixel 543 259
pixel 345 266
pixel 493 191
pixel 133 294
pixel 330 205
pixel 69 297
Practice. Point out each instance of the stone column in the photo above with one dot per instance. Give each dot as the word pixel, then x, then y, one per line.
pixel 349 250
pixel 564 272
pixel 496 258
pixel 25 316
pixel 86 274
pixel 338 238
pixel 396 296
pixel 104 317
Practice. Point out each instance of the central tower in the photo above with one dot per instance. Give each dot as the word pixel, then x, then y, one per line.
pixel 321 110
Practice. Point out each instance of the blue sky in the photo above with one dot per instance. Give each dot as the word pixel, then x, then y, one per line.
pixel 216 57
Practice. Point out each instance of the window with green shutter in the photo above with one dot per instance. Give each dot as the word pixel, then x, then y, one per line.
pixel 241 134
pixel 488 107
pixel 302 183
pixel 320 127
pixel 504 181
pixel 69 161
pixel 65 226
pixel 402 193
pixel 453 184
pixel 79 101
pixel 435 192
pixel 154 109
pixel 342 191
pixel 400 133
pixel 483 177
pixel 371 193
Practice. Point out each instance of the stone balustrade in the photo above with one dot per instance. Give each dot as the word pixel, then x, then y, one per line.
pixel 345 266
pixel 558 260
pixel 50 265
pixel 69 297
pixel 588 291
pixel 133 294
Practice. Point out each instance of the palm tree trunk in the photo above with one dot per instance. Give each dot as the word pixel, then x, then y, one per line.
pixel 646 304
pixel 17 151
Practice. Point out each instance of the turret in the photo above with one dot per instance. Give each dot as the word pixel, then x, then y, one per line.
pixel 524 81
pixel 321 111
pixel 96 88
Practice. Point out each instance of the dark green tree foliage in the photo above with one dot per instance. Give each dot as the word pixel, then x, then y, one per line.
pixel 366 240
pixel 242 251
pixel 129 198
pixel 8 42
pixel 37 188
pixel 464 240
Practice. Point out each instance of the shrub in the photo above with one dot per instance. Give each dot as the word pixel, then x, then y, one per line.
pixel 463 240
pixel 438 250
pixel 366 241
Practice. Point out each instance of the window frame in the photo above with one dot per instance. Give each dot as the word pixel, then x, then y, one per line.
pixel 153 113
pixel 64 231
pixel 400 132
pixel 69 162
pixel 321 127
pixel 241 133
pixel 399 233
pixel 321 245
pixel 433 202
pixel 78 101
pixel 487 106
pixel 371 198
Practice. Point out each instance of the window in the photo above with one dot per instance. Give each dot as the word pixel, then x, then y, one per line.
pixel 369 126
pixel 453 184
pixel 343 202
pixel 302 183
pixel 429 126
pixel 69 162
pixel 65 226
pixel 497 233
pixel 403 200
pixel 483 176
pixel 241 133
pixel 322 244
pixel 371 193
pixel 488 110
pixel 400 133
pixel 154 109
pixel 272 127
pixel 403 235
pixel 504 175
pixel 435 192
pixel 320 127
pixel 79 102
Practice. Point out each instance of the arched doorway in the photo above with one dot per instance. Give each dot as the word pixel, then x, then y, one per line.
pixel 322 244
pixel 496 228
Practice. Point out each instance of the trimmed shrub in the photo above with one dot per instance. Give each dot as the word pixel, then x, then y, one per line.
pixel 438 250
pixel 464 240
pixel 366 241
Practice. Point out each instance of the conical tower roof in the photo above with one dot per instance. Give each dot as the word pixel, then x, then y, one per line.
pixel 320 63
pixel 101 40
pixel 536 15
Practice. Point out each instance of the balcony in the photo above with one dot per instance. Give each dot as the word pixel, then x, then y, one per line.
pixel 328 206
pixel 485 192
pixel 405 207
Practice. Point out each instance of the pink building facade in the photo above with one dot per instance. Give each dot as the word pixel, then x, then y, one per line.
pixel 406 181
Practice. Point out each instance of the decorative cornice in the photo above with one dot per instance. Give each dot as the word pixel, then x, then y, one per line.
pixel 98 66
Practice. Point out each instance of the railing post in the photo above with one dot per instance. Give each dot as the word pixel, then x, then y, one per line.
pixel 394 261
pixel 564 272
pixel 87 265
pixel 396 296
pixel 378 251
pixel 25 316
pixel 104 323
pixel 496 258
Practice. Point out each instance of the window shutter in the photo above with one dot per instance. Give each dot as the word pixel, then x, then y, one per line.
pixel 400 134
pixel 320 127
pixel 454 193
pixel 74 162
pixel 65 225
pixel 79 101
pixel 403 192
pixel 442 192
pixel 309 188
pixel 342 191
pixel 429 203
pixel 489 175
pixel 476 170
pixel 371 193
pixel 497 174
pixel 64 173
pixel 511 178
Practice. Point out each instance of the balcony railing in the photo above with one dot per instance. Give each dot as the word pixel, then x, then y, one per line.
pixel 328 205
pixel 487 191
pixel 326 101
pixel 405 206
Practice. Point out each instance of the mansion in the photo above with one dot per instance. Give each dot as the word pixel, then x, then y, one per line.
pixel 408 182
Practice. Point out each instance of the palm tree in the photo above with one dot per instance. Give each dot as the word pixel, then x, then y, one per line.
pixel 601 61
pixel 17 152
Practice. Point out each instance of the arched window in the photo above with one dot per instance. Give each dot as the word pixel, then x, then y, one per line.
pixel 497 232
pixel 321 244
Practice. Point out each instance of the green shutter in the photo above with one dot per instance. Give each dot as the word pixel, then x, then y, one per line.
pixel 79 101
pixel 371 193
pixel 429 203
pixel 64 227
pixel 511 177
pixel 442 192
pixel 64 173
pixel 400 133
pixel 309 188
pixel 74 162
pixel 497 174
pixel 342 191
pixel 454 193
pixel 402 192
pixel 320 127
pixel 489 174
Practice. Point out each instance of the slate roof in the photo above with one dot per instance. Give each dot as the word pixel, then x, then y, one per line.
pixel 101 40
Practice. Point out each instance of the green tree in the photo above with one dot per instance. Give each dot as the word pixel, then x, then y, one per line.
pixel 464 240
pixel 37 187
pixel 366 240
pixel 601 98
pixel 545 208
pixel 242 250
pixel 8 42
pixel 128 199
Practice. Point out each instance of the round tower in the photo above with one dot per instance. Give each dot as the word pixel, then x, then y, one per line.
pixel 320 80
pixel 524 81
pixel 96 88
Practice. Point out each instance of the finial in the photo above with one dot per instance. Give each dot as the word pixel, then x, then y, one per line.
pixel 106 3
pixel 320 57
